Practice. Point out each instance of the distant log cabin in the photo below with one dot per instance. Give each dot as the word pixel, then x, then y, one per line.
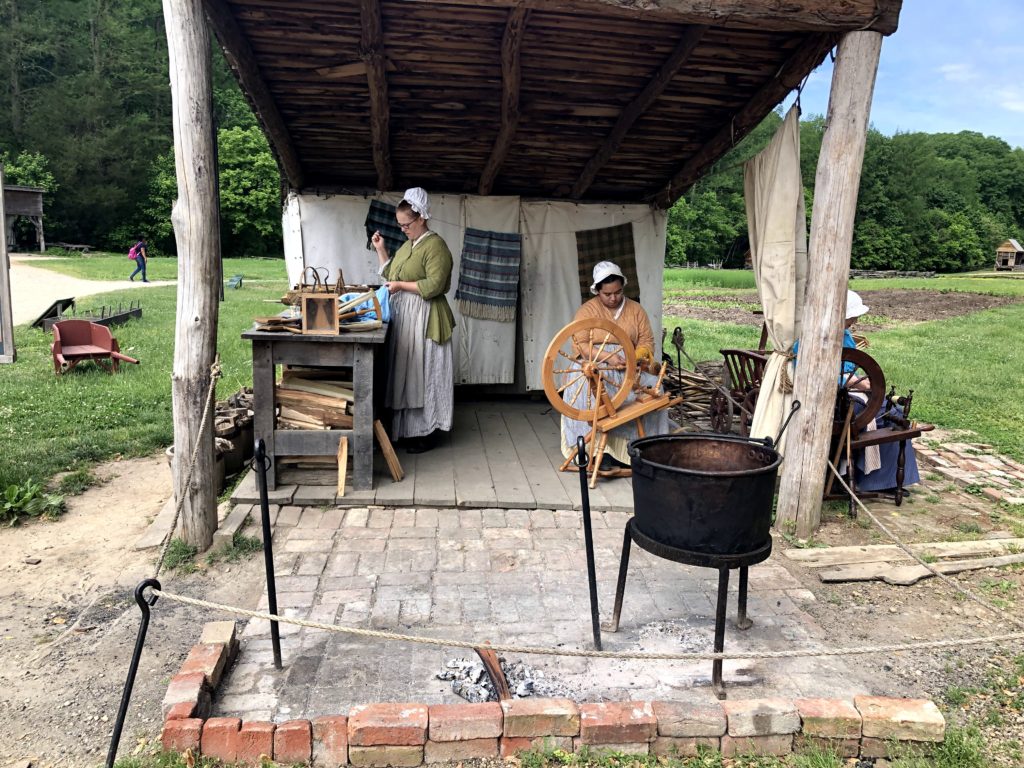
pixel 23 201
pixel 1010 255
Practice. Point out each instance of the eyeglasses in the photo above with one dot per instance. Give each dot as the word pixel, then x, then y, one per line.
pixel 405 225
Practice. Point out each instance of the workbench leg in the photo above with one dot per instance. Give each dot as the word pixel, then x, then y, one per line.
pixel 263 402
pixel 362 419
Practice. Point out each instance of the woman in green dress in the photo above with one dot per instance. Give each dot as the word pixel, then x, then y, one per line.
pixel 420 386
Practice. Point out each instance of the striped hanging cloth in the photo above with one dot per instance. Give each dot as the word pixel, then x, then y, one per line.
pixel 382 217
pixel 489 275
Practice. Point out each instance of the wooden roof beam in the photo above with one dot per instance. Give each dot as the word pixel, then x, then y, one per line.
pixel 791 16
pixel 640 104
pixel 240 56
pixel 803 60
pixel 371 49
pixel 511 44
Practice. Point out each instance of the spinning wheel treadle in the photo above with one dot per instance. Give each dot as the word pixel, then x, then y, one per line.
pixel 576 364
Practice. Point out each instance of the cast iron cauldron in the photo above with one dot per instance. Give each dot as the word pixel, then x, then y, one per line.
pixel 704 493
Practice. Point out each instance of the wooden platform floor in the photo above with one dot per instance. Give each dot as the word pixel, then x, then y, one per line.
pixel 500 454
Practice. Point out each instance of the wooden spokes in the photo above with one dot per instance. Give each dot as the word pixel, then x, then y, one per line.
pixel 597 348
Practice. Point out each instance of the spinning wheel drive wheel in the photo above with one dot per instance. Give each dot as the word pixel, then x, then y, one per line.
pixel 575 371
pixel 859 366
pixel 720 410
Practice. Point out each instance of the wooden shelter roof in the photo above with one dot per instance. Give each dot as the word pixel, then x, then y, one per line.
pixel 620 100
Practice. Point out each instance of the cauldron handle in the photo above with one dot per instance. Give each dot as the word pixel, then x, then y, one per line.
pixel 768 442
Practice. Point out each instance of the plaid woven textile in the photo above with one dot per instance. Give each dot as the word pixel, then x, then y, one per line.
pixel 489 275
pixel 382 217
pixel 608 244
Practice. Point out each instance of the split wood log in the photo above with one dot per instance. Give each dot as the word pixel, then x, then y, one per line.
pixel 342 464
pixel 887 553
pixel 906 575
pixel 394 466
pixel 329 389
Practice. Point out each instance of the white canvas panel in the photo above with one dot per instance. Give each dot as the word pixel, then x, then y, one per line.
pixel 291 228
pixel 550 292
pixel 485 349
pixel 333 236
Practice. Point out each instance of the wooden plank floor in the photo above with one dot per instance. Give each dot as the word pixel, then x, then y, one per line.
pixel 500 454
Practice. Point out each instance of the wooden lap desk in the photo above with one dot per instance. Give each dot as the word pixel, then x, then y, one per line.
pixel 355 349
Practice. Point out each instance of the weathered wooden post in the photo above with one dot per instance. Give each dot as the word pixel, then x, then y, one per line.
pixel 835 202
pixel 7 354
pixel 197 232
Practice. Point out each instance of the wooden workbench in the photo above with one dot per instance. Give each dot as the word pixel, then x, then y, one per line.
pixel 355 349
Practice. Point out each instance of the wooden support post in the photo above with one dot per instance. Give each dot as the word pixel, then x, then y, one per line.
pixel 835 202
pixel 7 354
pixel 197 232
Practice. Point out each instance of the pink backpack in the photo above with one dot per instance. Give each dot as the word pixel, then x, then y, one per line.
pixel 133 252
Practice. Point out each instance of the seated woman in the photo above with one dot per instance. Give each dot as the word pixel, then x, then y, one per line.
pixel 610 303
pixel 875 467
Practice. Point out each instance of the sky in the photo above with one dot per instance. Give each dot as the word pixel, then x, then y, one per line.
pixel 949 67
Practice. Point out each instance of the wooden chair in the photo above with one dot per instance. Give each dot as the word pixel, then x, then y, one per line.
pixel 77 340
pixel 742 374
pixel 848 431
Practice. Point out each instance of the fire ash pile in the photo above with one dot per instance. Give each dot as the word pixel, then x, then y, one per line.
pixel 470 681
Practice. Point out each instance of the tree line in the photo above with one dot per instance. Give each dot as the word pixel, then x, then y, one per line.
pixel 85 114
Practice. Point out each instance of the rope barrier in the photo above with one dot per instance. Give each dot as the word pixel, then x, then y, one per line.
pixel 215 374
pixel 215 371
pixel 934 571
pixel 543 651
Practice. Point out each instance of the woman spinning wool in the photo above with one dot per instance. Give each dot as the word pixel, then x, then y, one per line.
pixel 420 386
pixel 875 466
pixel 610 303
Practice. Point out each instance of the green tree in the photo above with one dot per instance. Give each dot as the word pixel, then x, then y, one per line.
pixel 249 196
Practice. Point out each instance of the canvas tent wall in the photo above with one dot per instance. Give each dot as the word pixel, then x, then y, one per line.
pixel 327 231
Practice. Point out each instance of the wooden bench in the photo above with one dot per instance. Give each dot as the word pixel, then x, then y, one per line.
pixel 75 341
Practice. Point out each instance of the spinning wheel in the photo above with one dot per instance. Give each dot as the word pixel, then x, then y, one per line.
pixel 861 374
pixel 589 372
pixel 578 365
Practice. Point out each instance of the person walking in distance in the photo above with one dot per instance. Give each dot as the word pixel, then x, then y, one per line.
pixel 140 256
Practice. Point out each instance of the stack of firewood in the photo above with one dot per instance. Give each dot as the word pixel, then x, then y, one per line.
pixel 307 401
pixel 695 387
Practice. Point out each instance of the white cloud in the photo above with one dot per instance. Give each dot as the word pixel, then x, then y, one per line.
pixel 1011 99
pixel 958 73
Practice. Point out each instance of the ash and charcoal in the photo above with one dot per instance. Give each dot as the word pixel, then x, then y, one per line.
pixel 471 682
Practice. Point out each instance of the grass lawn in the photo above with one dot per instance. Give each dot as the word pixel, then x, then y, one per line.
pixel 111 266
pixel 53 423
pixel 965 371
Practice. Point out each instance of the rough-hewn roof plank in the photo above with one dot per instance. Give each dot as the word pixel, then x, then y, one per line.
pixel 638 106
pixel 794 15
pixel 809 55
pixel 371 45
pixel 511 44
pixel 247 70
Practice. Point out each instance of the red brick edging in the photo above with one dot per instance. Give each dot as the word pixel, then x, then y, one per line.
pixel 410 734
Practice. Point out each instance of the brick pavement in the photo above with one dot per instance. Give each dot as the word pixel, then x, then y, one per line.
pixel 510 576
pixel 974 466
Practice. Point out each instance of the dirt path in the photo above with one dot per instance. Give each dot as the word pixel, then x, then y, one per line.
pixel 68 621
pixel 34 289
